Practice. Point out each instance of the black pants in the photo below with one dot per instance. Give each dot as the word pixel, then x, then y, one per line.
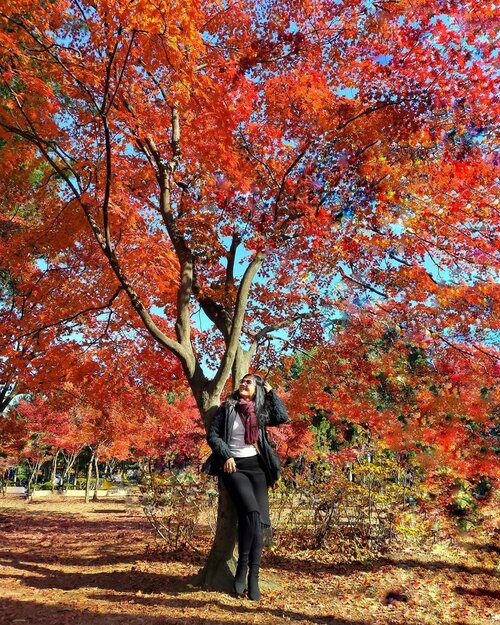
pixel 248 488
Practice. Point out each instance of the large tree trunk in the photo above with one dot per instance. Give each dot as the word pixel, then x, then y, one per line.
pixel 218 572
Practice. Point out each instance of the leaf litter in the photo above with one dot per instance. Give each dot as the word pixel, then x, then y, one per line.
pixel 96 565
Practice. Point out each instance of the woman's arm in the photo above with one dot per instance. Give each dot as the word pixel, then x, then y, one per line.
pixel 277 411
pixel 215 434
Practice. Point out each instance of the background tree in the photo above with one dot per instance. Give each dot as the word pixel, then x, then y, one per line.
pixel 186 150
pixel 438 406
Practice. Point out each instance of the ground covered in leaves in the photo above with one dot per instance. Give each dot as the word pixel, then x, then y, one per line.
pixel 100 564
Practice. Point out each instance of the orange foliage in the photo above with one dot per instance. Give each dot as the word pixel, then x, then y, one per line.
pixel 152 151
pixel 438 405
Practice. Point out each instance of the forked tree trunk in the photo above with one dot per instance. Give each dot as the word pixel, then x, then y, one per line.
pixel 32 477
pixel 70 460
pixel 218 571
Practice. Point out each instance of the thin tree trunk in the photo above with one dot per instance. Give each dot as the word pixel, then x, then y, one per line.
pixel 47 469
pixel 54 470
pixel 70 461
pixel 96 463
pixel 36 467
pixel 89 476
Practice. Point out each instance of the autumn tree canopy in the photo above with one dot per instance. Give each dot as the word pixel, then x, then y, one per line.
pixel 234 179
pixel 437 410
pixel 261 163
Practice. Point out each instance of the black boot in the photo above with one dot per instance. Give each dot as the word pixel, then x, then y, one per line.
pixel 245 539
pixel 240 576
pixel 254 561
pixel 253 582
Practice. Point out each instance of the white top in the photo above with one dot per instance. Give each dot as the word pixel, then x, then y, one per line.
pixel 237 445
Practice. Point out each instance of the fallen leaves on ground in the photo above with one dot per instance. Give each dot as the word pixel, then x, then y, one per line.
pixel 100 564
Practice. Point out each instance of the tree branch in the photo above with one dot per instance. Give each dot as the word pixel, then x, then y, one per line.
pixel 217 314
pixel 261 334
pixel 8 392
pixel 217 384
pixel 288 171
pixel 363 284
pixel 231 257
pixel 366 111
pixel 122 71
pixel 46 326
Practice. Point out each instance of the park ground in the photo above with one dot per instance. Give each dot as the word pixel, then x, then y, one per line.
pixel 101 564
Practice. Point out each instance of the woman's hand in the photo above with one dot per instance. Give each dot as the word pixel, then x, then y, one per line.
pixel 267 386
pixel 230 466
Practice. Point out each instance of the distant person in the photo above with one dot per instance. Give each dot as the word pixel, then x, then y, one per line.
pixel 248 466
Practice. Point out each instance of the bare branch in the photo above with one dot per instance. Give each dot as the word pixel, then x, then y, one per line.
pixel 176 140
pixel 231 257
pixel 288 171
pixel 363 284
pixel 7 393
pixel 217 314
pixel 279 325
pixel 122 71
pixel 366 111
pixel 107 188
pixel 86 311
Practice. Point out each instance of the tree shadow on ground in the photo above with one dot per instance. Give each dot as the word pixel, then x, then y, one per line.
pixel 41 614
pixel 247 607
pixel 47 523
pixel 482 547
pixel 307 566
pixel 23 561
pixel 478 592
pixel 119 581
pixel 148 590
pixel 108 556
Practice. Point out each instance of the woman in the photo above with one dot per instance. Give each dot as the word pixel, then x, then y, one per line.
pixel 248 466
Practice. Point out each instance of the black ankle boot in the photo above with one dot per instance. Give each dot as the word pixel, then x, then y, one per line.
pixel 253 582
pixel 240 576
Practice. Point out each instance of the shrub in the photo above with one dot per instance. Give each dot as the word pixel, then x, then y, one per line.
pixel 174 503
pixel 367 504
pixel 45 486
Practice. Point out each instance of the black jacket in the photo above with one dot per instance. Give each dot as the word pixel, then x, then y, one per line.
pixel 221 428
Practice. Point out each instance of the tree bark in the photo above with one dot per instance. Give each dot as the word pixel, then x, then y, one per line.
pixel 54 469
pixel 89 476
pixel 218 571
pixel 96 463
pixel 33 474
pixel 70 461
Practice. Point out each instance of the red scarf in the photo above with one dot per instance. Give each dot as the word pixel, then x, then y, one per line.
pixel 246 409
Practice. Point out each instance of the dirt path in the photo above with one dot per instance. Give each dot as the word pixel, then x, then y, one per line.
pixel 99 564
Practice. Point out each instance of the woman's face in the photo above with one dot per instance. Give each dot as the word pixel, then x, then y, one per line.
pixel 247 387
